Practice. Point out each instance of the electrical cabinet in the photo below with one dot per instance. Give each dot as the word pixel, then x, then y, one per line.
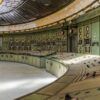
pixel 80 40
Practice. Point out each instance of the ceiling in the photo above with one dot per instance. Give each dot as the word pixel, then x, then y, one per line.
pixel 22 11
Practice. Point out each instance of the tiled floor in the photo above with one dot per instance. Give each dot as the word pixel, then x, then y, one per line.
pixel 19 79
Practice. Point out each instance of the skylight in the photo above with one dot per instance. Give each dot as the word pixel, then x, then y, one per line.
pixel 8 5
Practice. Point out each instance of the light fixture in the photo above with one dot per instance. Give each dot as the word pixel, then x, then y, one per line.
pixel 1 1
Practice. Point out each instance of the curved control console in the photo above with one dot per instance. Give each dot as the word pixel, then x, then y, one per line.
pixel 68 67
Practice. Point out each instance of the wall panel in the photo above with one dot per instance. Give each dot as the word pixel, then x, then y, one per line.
pixel 95 38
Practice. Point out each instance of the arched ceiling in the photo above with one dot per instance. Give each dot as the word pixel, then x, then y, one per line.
pixel 21 11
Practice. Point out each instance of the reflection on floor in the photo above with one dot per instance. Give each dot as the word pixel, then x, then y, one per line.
pixel 19 79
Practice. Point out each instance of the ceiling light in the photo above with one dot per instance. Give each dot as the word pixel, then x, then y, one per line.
pixel 1 1
pixel 46 4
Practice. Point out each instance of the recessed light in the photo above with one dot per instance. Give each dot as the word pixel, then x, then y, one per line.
pixel 46 4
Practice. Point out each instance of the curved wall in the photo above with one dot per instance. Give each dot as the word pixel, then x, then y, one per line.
pixel 68 12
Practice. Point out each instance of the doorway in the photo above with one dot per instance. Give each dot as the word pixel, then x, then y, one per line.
pixel 73 43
